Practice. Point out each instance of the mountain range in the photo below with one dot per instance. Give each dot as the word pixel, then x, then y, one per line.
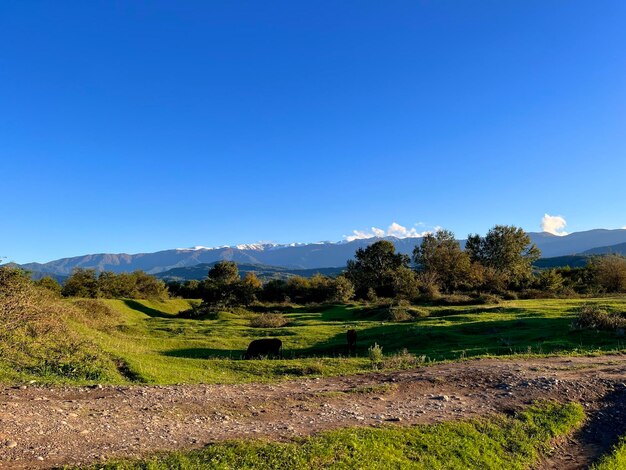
pixel 307 256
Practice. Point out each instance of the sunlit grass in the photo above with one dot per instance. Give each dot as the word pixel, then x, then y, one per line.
pixel 492 443
pixel 160 347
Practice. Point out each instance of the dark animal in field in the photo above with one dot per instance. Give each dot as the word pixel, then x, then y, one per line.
pixel 268 347
pixel 351 337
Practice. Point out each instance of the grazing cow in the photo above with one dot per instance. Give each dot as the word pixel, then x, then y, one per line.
pixel 267 347
pixel 351 337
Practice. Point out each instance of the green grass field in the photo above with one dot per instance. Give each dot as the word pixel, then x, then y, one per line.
pixel 154 346
pixel 491 443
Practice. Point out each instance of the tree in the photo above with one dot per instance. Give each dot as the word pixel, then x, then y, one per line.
pixel 609 272
pixel 506 249
pixel 249 287
pixel 440 255
pixel 375 267
pixel 343 289
pixel 220 289
pixel 224 272
pixel 81 283
pixel 406 284
pixel 550 280
pixel 51 284
pixel 149 287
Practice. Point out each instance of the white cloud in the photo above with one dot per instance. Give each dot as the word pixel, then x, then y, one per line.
pixel 394 230
pixel 554 224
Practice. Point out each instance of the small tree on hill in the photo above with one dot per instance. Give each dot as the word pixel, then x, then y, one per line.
pixel 81 283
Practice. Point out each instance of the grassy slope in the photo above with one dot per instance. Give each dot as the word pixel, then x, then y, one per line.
pixel 161 348
pixel 495 443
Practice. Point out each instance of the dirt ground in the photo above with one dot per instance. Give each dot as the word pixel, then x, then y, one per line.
pixel 42 427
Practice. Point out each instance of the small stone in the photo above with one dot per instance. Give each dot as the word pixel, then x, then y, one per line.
pixel 11 444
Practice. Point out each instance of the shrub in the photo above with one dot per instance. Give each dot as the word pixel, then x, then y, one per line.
pixel 510 295
pixel 595 317
pixel 456 299
pixel 403 360
pixel 34 337
pixel 487 299
pixel 375 353
pixel 536 294
pixel 95 313
pixel 269 320
pixel 399 313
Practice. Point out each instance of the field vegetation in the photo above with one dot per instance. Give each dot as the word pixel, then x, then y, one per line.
pixel 450 304
pixel 493 443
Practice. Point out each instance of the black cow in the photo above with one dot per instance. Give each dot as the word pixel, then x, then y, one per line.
pixel 267 347
pixel 351 337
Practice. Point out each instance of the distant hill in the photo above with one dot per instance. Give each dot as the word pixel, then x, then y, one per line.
pixel 619 249
pixel 301 256
pixel 573 261
pixel 264 273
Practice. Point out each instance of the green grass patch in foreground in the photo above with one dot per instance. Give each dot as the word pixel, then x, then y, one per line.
pixel 494 443
pixel 616 460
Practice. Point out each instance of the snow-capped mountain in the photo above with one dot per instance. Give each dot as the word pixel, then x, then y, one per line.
pixel 298 255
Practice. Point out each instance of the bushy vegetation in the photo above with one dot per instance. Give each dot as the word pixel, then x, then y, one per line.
pixel 87 283
pixel 268 320
pixel 491 443
pixel 597 317
pixel 35 339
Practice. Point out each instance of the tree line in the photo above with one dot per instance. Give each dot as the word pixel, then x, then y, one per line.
pixel 88 283
pixel 497 264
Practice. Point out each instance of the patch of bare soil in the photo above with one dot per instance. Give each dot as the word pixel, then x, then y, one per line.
pixel 42 427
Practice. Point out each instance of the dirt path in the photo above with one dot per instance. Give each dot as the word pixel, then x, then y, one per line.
pixel 45 427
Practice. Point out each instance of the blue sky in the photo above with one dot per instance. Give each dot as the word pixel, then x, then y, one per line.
pixel 132 126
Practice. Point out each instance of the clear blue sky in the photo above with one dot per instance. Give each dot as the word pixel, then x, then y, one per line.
pixel 131 126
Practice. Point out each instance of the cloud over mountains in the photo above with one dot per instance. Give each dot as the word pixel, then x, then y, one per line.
pixel 554 224
pixel 394 230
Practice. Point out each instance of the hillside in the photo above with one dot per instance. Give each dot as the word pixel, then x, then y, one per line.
pixel 619 249
pixel 264 273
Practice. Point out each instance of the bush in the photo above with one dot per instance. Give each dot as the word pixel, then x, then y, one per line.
pixel 375 353
pixel 96 313
pixel 403 360
pixel 34 337
pixel 487 299
pixel 510 295
pixel 399 313
pixel 593 316
pixel 269 320
pixel 529 294
pixel 456 299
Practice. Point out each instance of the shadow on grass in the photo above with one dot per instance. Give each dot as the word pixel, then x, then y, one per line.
pixel 151 312
pixel 205 353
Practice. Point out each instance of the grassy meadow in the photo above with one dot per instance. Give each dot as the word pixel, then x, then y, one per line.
pixel 150 344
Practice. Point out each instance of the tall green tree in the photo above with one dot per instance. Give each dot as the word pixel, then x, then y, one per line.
pixel 220 289
pixel 440 255
pixel 376 267
pixel 609 272
pixel 506 249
